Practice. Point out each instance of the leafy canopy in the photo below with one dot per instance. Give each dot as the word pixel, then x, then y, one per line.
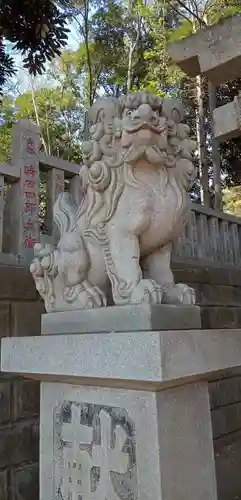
pixel 36 28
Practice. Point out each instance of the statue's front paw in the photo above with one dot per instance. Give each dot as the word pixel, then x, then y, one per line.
pixel 36 269
pixel 179 294
pixel 147 291
pixel 96 298
pixel 85 294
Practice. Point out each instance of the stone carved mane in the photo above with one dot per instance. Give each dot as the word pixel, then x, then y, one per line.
pixel 137 169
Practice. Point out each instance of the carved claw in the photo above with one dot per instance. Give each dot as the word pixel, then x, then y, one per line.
pixel 41 250
pixel 147 291
pixel 71 292
pixel 96 297
pixel 88 296
pixel 179 294
pixel 36 268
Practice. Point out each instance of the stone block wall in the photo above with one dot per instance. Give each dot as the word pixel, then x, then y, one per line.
pixel 20 310
pixel 219 295
pixel 218 292
pixel 225 399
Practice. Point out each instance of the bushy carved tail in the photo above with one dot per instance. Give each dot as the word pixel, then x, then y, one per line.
pixel 64 213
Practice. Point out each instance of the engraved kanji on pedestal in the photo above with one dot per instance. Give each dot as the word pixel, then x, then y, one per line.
pixel 94 453
pixel 74 434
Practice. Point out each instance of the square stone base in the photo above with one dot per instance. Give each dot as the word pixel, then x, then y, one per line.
pixel 140 317
pixel 101 443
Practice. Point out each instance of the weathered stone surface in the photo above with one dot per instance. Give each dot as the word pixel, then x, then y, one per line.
pixel 22 198
pixel 120 319
pixel 19 443
pixel 228 467
pixel 55 186
pixel 25 483
pixel 4 485
pixel 197 273
pixel 26 397
pixel 5 404
pixel 126 358
pixel 4 319
pixel 68 167
pixel 226 419
pixel 221 317
pixel 225 392
pixel 168 449
pixel 16 283
pixel 226 123
pixel 218 295
pixel 19 399
pixel 26 318
pixel 145 135
pixel 213 51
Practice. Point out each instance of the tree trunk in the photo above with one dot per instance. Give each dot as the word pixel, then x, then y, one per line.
pixel 130 65
pixel 203 164
pixel 134 43
pixel 87 48
pixel 35 107
pixel 215 151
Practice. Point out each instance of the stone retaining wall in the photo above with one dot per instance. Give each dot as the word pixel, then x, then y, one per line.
pixel 225 399
pixel 219 294
pixel 20 311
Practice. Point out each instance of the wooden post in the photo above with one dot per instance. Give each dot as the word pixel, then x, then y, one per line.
pixel 22 201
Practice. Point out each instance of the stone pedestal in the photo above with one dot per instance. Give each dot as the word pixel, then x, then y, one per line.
pixel 125 415
pixel 126 444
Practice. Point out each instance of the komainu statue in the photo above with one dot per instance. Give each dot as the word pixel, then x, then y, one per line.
pixel 137 170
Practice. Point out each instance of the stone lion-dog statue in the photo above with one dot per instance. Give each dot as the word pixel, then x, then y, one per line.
pixel 136 173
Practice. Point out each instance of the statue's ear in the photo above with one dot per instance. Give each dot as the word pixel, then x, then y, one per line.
pixel 172 108
pixel 176 116
pixel 101 107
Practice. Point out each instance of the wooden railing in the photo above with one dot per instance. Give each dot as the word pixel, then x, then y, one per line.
pixel 210 236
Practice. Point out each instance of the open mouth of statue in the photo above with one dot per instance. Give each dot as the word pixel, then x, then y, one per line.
pixel 145 126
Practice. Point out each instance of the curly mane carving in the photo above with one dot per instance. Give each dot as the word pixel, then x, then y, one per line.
pixel 137 168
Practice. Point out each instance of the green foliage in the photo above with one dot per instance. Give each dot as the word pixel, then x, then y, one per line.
pixel 222 9
pixel 6 64
pixel 36 28
pixel 7 118
pixel 232 200
pixel 122 45
pixel 58 110
pixel 58 113
pixel 184 30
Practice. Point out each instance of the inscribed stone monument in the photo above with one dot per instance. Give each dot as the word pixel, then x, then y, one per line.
pixel 22 200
